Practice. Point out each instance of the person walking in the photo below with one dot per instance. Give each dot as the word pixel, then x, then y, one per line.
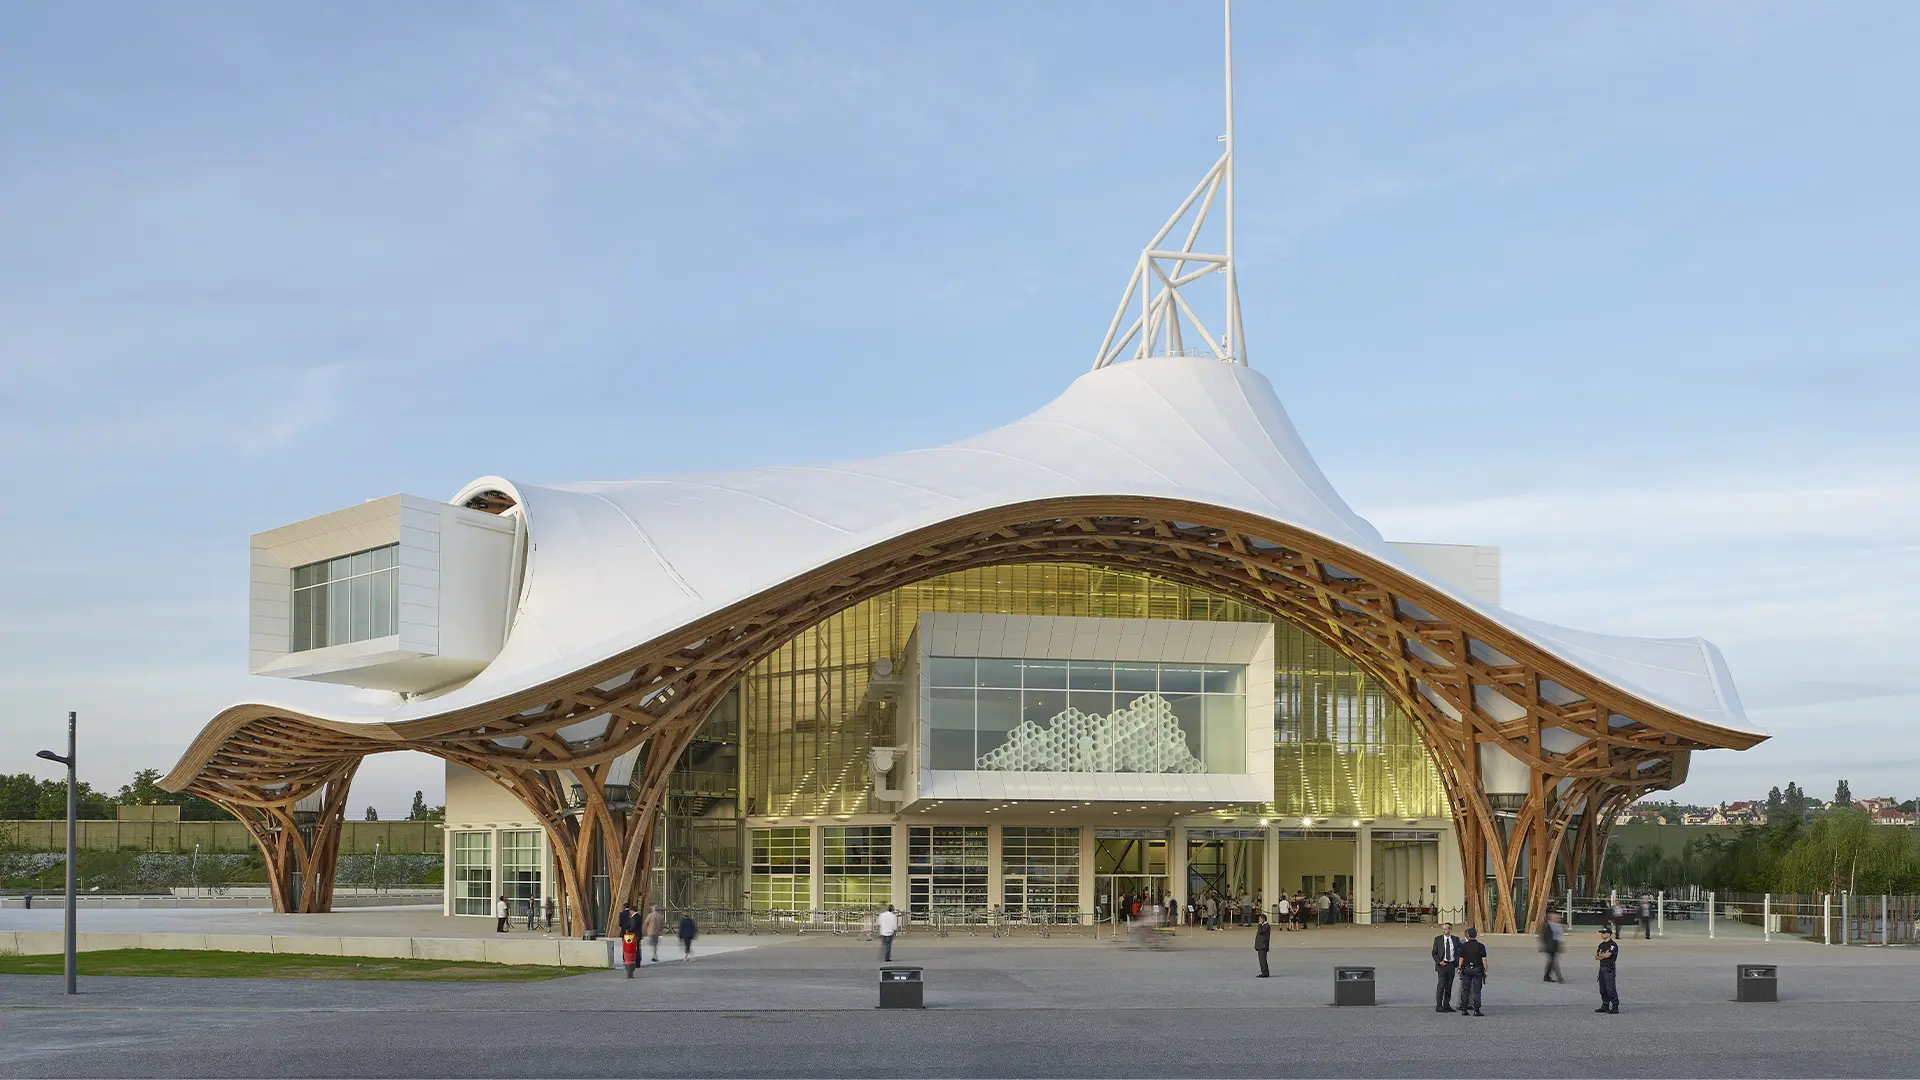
pixel 1615 916
pixel 650 928
pixel 1446 962
pixel 1608 953
pixel 889 926
pixel 549 912
pixel 688 932
pixel 1646 917
pixel 500 912
pixel 1262 937
pixel 1552 938
pixel 1473 973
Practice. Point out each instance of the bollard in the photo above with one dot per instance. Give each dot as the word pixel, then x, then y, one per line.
pixel 1661 920
pixel 1766 917
pixel 1353 986
pixel 1709 916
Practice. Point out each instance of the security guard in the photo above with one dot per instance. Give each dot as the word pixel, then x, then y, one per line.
pixel 1607 953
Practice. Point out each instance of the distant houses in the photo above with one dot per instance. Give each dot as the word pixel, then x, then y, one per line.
pixel 1883 810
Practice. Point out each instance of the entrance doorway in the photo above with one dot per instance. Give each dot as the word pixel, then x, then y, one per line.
pixel 1228 867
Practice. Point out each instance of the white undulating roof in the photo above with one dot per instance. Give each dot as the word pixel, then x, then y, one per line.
pixel 615 564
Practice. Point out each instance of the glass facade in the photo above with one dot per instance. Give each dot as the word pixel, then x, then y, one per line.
pixel 1039 871
pixel 520 867
pixel 473 873
pixel 352 598
pixel 780 877
pixel 856 866
pixel 1027 715
pixel 946 869
pixel 1341 745
pixel 697 848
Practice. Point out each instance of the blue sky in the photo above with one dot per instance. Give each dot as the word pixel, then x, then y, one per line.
pixel 1627 290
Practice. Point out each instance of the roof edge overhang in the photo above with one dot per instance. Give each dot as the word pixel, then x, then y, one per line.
pixel 346 738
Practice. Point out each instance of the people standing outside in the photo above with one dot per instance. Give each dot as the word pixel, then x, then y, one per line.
pixel 889 926
pixel 1615 916
pixel 533 913
pixel 1552 938
pixel 628 922
pixel 688 932
pixel 1446 963
pixel 1608 953
pixel 650 927
pixel 1262 938
pixel 1284 911
pixel 1646 916
pixel 1326 908
pixel 500 912
pixel 1473 973
pixel 549 912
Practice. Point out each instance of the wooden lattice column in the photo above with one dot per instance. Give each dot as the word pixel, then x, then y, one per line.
pixel 303 841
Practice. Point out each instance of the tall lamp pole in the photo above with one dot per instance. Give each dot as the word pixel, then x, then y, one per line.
pixel 73 815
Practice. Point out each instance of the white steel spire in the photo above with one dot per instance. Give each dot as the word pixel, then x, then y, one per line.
pixel 1165 320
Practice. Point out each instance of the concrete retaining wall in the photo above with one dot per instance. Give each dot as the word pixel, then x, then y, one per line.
pixel 546 952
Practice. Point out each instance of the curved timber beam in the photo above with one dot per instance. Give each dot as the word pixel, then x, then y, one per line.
pixel 1474 689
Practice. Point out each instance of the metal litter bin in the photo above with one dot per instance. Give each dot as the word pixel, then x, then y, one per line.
pixel 1353 986
pixel 901 988
pixel 1756 982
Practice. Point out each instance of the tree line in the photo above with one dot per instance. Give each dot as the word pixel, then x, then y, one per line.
pixel 1842 850
pixel 23 797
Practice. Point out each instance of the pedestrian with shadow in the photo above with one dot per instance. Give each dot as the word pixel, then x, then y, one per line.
pixel 1262 937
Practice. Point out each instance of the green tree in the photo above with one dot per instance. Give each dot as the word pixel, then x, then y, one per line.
pixel 1846 852
pixel 19 797
pixel 419 810
pixel 1842 796
pixel 372 814
pixel 1776 804
pixel 51 805
pixel 145 790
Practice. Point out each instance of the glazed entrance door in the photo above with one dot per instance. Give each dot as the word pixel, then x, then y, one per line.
pixel 1110 889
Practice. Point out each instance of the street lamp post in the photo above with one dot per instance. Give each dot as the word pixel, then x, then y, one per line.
pixel 73 875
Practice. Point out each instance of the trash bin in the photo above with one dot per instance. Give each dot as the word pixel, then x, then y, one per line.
pixel 901 988
pixel 1756 982
pixel 1353 986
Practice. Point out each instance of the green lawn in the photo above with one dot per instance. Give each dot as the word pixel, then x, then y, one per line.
pixel 192 964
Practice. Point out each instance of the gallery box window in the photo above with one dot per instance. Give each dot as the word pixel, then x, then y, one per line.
pixel 1027 715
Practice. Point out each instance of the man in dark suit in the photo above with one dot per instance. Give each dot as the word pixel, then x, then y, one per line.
pixel 1262 936
pixel 1446 961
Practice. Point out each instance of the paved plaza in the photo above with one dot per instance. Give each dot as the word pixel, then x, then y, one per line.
pixel 1063 1006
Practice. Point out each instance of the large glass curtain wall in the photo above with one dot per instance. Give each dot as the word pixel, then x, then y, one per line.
pixel 1341 746
pixel 1040 871
pixel 780 876
pixel 946 869
pixel 473 873
pixel 856 864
